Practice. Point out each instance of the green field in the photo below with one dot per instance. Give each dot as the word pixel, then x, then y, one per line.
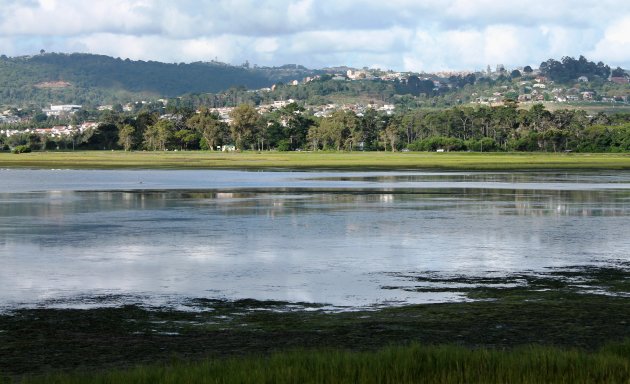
pixel 314 160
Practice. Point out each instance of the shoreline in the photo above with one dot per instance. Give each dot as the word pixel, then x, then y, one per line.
pixel 553 310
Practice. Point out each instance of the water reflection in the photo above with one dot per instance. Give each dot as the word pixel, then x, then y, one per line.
pixel 316 240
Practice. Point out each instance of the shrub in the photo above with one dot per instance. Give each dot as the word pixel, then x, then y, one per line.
pixel 527 143
pixel 486 144
pixel 21 149
pixel 283 146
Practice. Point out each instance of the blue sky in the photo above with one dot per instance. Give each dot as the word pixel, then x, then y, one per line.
pixel 420 35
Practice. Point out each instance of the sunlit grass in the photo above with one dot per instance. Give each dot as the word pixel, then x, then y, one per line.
pixel 410 364
pixel 314 160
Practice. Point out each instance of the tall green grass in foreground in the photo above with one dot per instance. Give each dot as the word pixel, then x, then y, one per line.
pixel 411 364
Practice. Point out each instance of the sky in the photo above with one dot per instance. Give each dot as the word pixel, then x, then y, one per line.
pixel 403 35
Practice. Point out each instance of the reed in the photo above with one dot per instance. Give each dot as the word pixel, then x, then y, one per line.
pixel 396 364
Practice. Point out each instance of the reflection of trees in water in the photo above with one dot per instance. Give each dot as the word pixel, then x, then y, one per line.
pixel 572 203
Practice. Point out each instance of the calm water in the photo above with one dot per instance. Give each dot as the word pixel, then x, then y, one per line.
pixel 323 237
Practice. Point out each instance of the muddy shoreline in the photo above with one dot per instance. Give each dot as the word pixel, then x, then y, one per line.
pixel 581 307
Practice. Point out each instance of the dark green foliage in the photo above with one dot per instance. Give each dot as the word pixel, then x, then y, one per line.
pixel 96 79
pixel 486 144
pixel 416 86
pixel 569 69
pixel 525 143
pixel 105 137
pixel 283 145
pixel 619 72
pixel 600 138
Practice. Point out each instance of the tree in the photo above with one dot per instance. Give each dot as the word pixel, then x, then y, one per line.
pixel 504 121
pixel 537 117
pixel 208 125
pixel 126 136
pixel 295 125
pixel 371 124
pixel 569 69
pixel 315 136
pixel 411 122
pixel 391 134
pixel 141 122
pixel 461 121
pixel 331 130
pixel 105 136
pixel 244 124
pixel 528 69
pixel 187 139
pixel 619 72
pixel 555 136
pixel 515 74
pixel 352 130
pixel 157 135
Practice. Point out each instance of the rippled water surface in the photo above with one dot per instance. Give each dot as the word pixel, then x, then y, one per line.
pixel 327 237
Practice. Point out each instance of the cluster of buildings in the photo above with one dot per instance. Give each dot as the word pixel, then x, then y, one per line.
pixel 61 110
pixel 8 118
pixel 358 109
pixel 541 89
pixel 317 110
pixel 57 131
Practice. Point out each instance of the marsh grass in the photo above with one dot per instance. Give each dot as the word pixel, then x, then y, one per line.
pixel 403 364
pixel 314 160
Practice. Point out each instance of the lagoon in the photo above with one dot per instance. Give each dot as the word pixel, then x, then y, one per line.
pixel 76 238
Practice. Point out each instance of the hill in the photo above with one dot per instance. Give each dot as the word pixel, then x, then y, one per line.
pixel 94 79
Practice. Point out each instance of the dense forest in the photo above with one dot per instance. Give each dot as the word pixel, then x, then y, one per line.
pixel 501 128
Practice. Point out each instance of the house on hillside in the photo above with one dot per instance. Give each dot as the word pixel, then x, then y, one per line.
pixel 620 80
pixel 58 110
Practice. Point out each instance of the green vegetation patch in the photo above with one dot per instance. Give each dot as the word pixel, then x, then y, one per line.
pixel 408 364
pixel 314 160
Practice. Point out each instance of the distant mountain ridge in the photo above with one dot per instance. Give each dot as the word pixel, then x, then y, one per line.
pixel 71 77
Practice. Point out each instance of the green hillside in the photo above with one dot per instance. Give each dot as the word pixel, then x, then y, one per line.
pixel 87 78
pixel 92 80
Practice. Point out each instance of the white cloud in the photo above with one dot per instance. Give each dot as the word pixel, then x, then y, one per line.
pixel 402 34
pixel 615 44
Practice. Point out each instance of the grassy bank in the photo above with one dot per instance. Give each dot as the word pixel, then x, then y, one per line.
pixel 410 364
pixel 314 160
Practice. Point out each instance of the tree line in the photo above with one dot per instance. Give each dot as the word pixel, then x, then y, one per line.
pixel 483 128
